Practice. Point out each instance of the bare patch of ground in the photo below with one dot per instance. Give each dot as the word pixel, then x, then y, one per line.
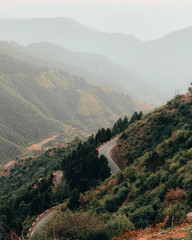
pixel 157 233
pixel 173 233
pixel 186 97
pixel 57 177
pixel 173 110
pixel 38 146
pixel 113 155
pixel 5 169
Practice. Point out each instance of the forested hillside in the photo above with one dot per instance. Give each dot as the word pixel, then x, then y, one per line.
pixel 98 69
pixel 155 183
pixel 37 103
pixel 93 67
pixel 154 153
pixel 29 188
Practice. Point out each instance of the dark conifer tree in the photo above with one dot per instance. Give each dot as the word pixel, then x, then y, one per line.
pixel 74 202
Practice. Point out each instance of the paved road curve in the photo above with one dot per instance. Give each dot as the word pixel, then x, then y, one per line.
pixel 105 150
pixel 41 223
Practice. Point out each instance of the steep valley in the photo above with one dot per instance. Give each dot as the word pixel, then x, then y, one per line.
pixel 152 192
pixel 37 103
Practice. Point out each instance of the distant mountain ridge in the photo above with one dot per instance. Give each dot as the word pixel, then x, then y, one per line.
pixel 96 68
pixel 161 62
pixel 93 67
pixel 66 33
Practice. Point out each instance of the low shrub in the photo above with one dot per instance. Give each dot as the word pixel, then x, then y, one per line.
pixel 97 235
pixel 119 224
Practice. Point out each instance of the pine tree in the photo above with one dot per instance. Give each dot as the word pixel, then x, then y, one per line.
pixel 125 122
pixel 74 202
pixel 134 117
pixel 108 134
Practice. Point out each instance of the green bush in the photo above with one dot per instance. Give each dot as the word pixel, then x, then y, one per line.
pixel 123 136
pixel 118 224
pixel 97 235
pixel 111 205
pixel 176 213
pixel 143 216
pixel 73 225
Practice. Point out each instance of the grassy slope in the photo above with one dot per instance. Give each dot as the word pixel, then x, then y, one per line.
pixel 156 181
pixel 37 103
pixel 155 185
pixel 96 68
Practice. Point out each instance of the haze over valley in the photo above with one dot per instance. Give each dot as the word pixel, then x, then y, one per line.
pixel 95 119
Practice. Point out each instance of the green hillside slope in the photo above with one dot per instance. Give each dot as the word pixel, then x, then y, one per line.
pixel 154 185
pixel 97 69
pixel 93 67
pixel 37 103
pixel 155 153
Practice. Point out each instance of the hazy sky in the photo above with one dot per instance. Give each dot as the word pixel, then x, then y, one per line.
pixel 146 19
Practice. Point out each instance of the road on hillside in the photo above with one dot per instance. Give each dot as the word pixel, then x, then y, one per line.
pixel 47 215
pixel 105 150
pixel 42 219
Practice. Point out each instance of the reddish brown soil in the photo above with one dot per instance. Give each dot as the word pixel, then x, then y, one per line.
pixel 162 237
pixel 175 233
pixel 57 177
pixel 113 154
pixel 5 169
pixel 186 97
pixel 174 135
pixel 51 154
pixel 159 232
pixel 173 110
pixel 38 146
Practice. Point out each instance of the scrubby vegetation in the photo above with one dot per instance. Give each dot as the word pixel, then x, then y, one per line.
pixel 156 183
pixel 153 189
pixel 157 180
pixel 29 189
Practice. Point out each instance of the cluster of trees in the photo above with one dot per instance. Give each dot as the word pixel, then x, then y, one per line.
pixel 29 187
pixel 159 153
pixel 123 124
pixel 83 168
pixel 28 190
pixel 104 135
pixel 164 122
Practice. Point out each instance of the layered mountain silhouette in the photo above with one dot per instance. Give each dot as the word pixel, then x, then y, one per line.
pixel 158 62
pixel 94 67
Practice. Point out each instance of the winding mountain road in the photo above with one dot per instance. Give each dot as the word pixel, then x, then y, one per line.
pixel 105 150
pixel 40 221
pixel 48 214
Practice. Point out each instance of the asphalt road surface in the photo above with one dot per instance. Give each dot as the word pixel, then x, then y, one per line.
pixel 46 217
pixel 105 150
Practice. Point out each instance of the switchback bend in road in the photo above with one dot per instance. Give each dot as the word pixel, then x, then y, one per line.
pixel 105 150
